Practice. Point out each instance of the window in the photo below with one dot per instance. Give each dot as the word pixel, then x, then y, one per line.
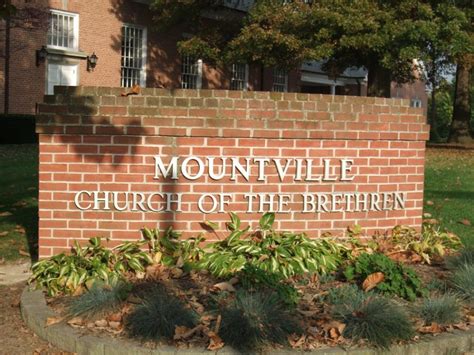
pixel 133 56
pixel 63 32
pixel 416 103
pixel 191 73
pixel 280 80
pixel 239 77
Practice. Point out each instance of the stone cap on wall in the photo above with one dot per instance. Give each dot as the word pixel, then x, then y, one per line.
pixel 224 113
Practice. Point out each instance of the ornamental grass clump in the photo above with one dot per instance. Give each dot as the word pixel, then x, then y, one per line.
pixel 444 309
pixel 158 316
pixel 465 257
pixel 375 319
pixel 462 281
pixel 345 294
pixel 256 319
pixel 99 300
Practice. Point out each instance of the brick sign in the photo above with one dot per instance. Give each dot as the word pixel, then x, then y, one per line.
pixel 110 165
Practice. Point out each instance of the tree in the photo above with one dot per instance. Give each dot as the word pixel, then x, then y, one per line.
pixel 28 17
pixel 460 128
pixel 460 131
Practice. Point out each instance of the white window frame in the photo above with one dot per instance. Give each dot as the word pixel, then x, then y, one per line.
pixel 75 17
pixel 236 81
pixel 280 86
pixel 416 103
pixel 143 53
pixel 187 65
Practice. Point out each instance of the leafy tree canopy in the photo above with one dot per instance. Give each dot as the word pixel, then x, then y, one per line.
pixel 382 35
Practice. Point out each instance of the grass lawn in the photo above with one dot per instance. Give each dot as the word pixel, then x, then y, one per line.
pixel 18 201
pixel 449 190
pixel 449 196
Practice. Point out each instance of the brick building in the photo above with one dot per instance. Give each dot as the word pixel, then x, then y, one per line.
pixel 129 51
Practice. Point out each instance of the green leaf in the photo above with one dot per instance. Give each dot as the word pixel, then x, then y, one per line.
pixel 266 222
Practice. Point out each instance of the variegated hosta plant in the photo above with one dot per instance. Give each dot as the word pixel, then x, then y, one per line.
pixel 431 242
pixel 71 273
pixel 281 253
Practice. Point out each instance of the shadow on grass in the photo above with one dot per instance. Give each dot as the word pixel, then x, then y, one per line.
pixel 458 195
pixel 18 201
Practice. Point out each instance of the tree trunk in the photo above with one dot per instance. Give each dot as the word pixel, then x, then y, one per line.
pixel 459 132
pixel 379 80
pixel 6 82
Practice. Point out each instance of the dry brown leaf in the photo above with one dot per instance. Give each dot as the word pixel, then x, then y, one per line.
pixel 400 256
pixel 53 320
pixel 430 203
pixel 465 221
pixel 5 214
pixel 334 333
pixel 434 328
pixel 176 273
pixel 470 319
pixel 182 332
pixel 115 325
pixel 115 317
pixel 431 221
pixel 101 323
pixel 372 281
pixel 215 342
pixel 296 341
pixel 76 321
pixel 223 286
pixel 4 234
pixel 140 275
pixel 23 253
pixel 461 326
pixel 20 230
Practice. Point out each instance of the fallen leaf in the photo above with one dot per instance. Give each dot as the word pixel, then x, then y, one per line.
pixel 5 214
pixel 334 333
pixel 20 230
pixel 115 317
pixel 431 221
pixel 223 286
pixel 372 281
pixel 296 341
pixel 53 320
pixel 23 253
pixel 176 273
pixel 430 203
pixel 461 326
pixel 427 215
pixel 3 234
pixel 182 332
pixel 76 321
pixel 434 328
pixel 465 221
pixel 215 342
pixel 114 325
pixel 101 323
pixel 140 275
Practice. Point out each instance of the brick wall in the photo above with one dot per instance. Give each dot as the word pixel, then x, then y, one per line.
pixel 93 140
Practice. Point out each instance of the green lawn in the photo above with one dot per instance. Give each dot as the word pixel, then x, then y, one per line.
pixel 18 201
pixel 449 190
pixel 449 196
